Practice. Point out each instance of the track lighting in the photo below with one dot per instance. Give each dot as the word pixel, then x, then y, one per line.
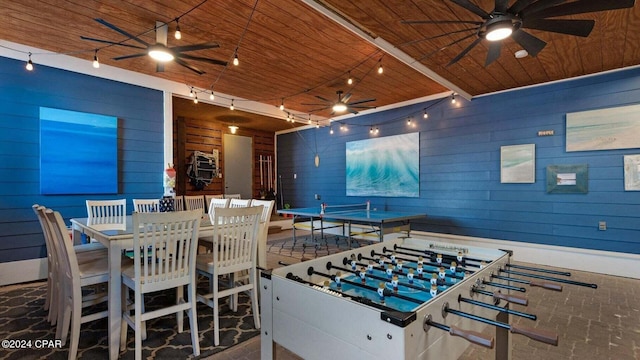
pixel 235 58
pixel 233 129
pixel 96 63
pixel 178 34
pixel 231 107
pixel 29 65
pixel 282 105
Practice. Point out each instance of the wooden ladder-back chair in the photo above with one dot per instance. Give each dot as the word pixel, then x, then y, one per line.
pixel 263 229
pixel 234 250
pixel 146 205
pixel 232 196
pixel 165 247
pixel 107 214
pixel 194 202
pixel 178 203
pixel 239 203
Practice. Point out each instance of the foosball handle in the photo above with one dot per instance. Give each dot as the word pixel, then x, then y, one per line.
pixel 546 285
pixel 472 336
pixel 545 336
pixel 512 298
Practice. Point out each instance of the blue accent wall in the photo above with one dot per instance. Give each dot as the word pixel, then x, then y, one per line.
pixel 140 146
pixel 460 187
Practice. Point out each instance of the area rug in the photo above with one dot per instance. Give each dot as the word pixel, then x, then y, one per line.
pixel 22 316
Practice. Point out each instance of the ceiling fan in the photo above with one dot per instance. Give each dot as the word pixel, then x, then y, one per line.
pixel 510 21
pixel 160 51
pixel 342 104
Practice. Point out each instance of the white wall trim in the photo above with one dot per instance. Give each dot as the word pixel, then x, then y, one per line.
pixel 15 272
pixel 595 261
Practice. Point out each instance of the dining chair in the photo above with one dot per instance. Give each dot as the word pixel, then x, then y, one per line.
pixel 234 250
pixel 73 277
pixel 239 203
pixel 164 258
pixel 207 198
pixel 216 203
pixel 107 214
pixel 263 229
pixel 232 196
pixel 146 205
pixel 178 203
pixel 51 301
pixel 194 202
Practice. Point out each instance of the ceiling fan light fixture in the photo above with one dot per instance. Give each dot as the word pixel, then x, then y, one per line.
pixel 339 107
pixel 160 53
pixel 499 31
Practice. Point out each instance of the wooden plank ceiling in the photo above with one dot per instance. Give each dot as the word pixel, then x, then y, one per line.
pixel 291 53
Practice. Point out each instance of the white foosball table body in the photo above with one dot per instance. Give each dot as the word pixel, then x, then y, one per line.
pixel 318 325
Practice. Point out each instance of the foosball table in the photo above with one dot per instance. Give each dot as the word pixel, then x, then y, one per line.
pixel 404 298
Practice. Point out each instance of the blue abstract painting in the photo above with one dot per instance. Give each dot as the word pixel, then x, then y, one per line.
pixel 78 153
pixel 387 166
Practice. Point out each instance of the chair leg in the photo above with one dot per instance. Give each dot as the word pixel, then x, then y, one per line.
pixel 216 319
pixel 180 314
pixel 124 298
pixel 76 320
pixel 254 298
pixel 233 299
pixel 193 319
pixel 138 325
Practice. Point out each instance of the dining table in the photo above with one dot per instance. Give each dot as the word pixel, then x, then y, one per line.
pixel 116 241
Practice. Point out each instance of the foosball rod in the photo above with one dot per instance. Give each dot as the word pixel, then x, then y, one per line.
pixel 512 298
pixel 360 256
pixel 429 252
pixel 384 249
pixel 542 277
pixel 359 299
pixel 375 277
pixel 387 292
pixel 542 284
pixel 544 336
pixel 547 271
pixel 471 336
pixel 503 286
pixel 496 308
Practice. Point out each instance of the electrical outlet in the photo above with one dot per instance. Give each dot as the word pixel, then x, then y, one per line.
pixel 602 225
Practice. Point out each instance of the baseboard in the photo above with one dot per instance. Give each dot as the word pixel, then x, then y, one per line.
pixel 596 261
pixel 15 272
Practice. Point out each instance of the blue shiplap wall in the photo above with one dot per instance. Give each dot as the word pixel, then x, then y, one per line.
pixel 22 93
pixel 460 187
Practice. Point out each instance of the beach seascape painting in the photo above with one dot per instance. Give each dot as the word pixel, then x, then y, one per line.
pixel 604 129
pixel 78 153
pixel 517 163
pixel 387 166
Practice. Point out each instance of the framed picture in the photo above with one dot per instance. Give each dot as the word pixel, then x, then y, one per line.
pixel 518 164
pixel 632 172
pixel 568 179
pixel 604 129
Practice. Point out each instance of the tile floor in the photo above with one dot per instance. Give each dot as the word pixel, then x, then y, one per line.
pixel 592 324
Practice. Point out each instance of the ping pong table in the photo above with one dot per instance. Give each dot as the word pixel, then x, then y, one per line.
pixel 340 220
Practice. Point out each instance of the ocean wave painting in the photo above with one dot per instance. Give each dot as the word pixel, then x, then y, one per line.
pixel 78 153
pixel 517 163
pixel 387 166
pixel 604 129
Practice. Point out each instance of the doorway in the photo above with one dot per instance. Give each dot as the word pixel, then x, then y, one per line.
pixel 238 172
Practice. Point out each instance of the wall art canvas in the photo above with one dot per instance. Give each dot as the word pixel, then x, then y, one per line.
pixel 518 164
pixel 604 129
pixel 387 166
pixel 78 152
pixel 632 172
pixel 568 179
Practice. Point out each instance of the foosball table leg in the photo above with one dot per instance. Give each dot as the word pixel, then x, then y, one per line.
pixel 503 338
pixel 267 345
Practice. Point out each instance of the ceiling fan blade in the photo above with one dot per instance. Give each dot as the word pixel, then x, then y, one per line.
pixel 539 6
pixel 110 42
pixel 203 46
pixel 190 67
pixel 115 28
pixel 323 99
pixel 446 46
pixel 472 7
pixel 442 22
pixel 564 26
pixel 130 56
pixel 361 102
pixel 532 44
pixel 198 58
pixel 438 36
pixel 311 104
pixel 346 98
pixel 159 67
pixel 581 7
pixel 464 52
pixel 519 5
pixel 495 48
pixel 363 107
pixel 501 6
pixel 161 33
pixel 320 109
